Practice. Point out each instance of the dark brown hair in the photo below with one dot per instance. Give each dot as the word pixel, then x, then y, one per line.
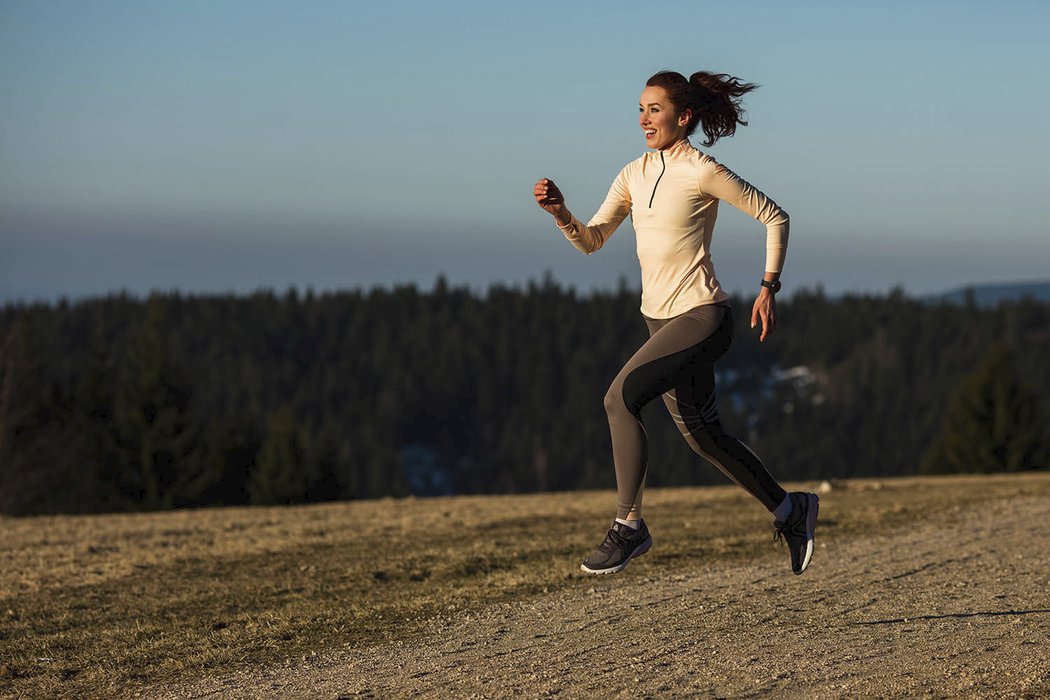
pixel 714 99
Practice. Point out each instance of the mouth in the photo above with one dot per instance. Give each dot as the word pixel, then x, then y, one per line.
pixel 649 133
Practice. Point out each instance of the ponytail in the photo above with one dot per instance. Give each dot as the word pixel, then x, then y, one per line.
pixel 713 99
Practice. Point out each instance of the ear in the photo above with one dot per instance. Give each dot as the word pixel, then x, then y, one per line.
pixel 684 117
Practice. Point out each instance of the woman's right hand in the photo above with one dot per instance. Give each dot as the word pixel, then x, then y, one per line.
pixel 549 197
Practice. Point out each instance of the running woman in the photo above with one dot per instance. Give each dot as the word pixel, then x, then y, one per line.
pixel 671 194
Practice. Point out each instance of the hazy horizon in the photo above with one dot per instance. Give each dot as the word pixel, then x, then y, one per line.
pixel 211 148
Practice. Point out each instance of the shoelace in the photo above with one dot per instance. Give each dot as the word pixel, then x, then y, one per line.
pixel 780 534
pixel 614 538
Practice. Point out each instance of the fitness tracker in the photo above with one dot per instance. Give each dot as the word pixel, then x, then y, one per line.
pixel 773 286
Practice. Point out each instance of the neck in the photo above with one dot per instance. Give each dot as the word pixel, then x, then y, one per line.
pixel 674 141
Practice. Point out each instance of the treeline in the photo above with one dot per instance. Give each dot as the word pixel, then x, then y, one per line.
pixel 121 403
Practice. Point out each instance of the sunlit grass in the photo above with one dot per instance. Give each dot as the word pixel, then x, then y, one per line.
pixel 91 606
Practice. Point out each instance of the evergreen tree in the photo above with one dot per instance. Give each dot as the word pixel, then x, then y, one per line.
pixel 280 473
pixel 92 403
pixel 158 463
pixel 992 424
pixel 21 400
pixel 229 444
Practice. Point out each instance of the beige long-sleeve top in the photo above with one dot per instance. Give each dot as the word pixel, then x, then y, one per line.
pixel 672 198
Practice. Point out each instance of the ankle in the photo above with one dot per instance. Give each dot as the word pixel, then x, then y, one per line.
pixel 633 524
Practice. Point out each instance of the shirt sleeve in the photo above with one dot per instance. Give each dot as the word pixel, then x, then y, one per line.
pixel 592 236
pixel 719 181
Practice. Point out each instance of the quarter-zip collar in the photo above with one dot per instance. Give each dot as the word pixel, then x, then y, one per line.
pixel 675 150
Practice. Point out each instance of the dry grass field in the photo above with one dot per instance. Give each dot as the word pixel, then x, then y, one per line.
pixel 919 586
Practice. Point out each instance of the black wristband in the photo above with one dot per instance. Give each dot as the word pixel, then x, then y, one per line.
pixel 773 286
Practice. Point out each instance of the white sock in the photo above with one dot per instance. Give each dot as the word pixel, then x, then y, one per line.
pixel 633 524
pixel 781 513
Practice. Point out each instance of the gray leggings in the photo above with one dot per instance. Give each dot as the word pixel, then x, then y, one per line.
pixel 677 362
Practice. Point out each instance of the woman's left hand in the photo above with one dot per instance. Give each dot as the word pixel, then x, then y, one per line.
pixel 765 308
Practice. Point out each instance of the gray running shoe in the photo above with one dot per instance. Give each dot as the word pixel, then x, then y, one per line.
pixel 621 544
pixel 797 531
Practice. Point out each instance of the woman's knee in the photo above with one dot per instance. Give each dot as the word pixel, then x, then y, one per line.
pixel 617 402
pixel 614 399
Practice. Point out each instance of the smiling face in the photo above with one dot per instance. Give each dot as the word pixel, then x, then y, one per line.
pixel 662 125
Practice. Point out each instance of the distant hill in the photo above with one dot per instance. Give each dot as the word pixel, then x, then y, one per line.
pixel 992 294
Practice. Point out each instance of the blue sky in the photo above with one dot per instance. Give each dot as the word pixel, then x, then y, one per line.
pixel 217 146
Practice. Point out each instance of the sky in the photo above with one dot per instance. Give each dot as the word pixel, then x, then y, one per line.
pixel 230 146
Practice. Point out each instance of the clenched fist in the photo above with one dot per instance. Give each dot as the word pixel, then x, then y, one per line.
pixel 549 197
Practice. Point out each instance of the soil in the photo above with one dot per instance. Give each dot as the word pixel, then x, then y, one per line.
pixel 955 606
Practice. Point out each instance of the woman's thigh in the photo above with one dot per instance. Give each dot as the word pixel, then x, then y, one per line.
pixel 678 349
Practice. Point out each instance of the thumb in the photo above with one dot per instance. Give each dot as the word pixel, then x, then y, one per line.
pixel 754 315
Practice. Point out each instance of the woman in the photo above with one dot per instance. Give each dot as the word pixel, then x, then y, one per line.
pixel 671 195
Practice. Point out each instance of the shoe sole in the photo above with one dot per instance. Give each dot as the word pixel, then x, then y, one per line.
pixel 638 551
pixel 813 505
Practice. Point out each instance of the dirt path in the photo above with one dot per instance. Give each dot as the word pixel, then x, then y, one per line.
pixel 949 609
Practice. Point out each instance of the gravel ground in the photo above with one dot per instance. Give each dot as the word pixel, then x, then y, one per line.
pixel 957 606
